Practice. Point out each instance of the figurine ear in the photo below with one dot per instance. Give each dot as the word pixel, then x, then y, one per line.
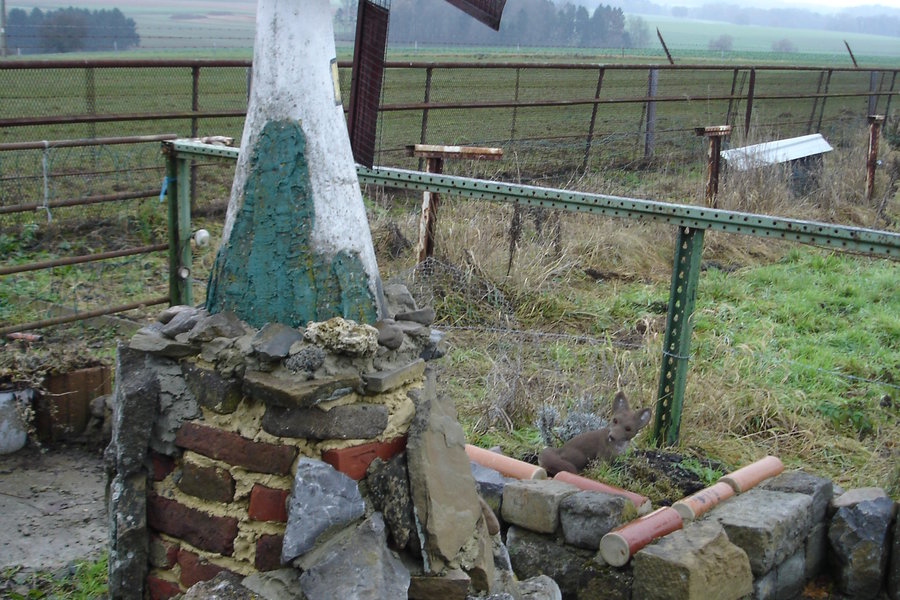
pixel 620 402
pixel 645 417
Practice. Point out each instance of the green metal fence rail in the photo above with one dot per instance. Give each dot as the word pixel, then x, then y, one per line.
pixel 691 223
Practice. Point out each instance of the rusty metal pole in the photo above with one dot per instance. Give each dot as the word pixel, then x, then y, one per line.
pixel 714 135
pixel 875 122
pixel 750 91
pixel 428 220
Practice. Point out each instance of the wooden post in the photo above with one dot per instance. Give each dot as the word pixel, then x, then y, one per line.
pixel 850 52
pixel 590 136
pixel 515 112
pixel 714 135
pixel 434 163
pixel 426 100
pixel 665 48
pixel 652 80
pixel 824 98
pixel 812 114
pixel 750 90
pixel 873 97
pixel 729 114
pixel 875 122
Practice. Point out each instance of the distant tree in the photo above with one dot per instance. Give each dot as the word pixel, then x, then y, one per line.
pixel 69 30
pixel 723 43
pixel 63 31
pixel 638 31
pixel 784 46
pixel 679 11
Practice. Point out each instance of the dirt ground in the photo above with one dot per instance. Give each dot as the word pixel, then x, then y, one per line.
pixel 52 508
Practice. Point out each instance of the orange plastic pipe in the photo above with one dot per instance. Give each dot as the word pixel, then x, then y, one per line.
pixel 641 503
pixel 509 467
pixel 696 504
pixel 746 477
pixel 619 545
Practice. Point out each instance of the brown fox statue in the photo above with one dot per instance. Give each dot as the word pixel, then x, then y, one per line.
pixel 605 444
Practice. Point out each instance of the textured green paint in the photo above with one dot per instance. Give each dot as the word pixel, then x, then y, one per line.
pixel 269 271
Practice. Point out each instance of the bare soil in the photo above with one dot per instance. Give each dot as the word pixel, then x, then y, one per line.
pixel 52 508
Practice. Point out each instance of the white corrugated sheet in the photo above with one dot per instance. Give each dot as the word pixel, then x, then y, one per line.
pixel 780 151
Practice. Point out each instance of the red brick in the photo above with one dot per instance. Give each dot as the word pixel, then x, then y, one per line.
pixel 163 554
pixel 205 531
pixel 160 589
pixel 268 552
pixel 162 465
pixel 354 461
pixel 267 504
pixel 236 450
pixel 208 483
pixel 195 569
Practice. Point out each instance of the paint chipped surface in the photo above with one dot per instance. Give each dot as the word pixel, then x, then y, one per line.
pixel 269 270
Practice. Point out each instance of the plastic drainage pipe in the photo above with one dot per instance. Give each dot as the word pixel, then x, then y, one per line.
pixel 746 477
pixel 618 546
pixel 509 467
pixel 696 504
pixel 641 503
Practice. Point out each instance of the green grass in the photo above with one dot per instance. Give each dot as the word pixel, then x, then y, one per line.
pixel 83 580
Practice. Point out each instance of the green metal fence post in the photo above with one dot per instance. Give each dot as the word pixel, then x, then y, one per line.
pixel 178 190
pixel 677 342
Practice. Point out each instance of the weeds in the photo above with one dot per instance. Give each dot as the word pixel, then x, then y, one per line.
pixel 84 580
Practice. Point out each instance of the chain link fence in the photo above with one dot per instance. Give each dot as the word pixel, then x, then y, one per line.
pixel 621 129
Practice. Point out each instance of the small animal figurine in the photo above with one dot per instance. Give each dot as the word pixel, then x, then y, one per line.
pixel 605 444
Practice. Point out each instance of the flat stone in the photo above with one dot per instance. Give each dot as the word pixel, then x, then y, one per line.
pixel 452 585
pixel 818 488
pixel 587 516
pixel 322 499
pixel 415 330
pixel 389 335
pixel 398 299
pixel 573 569
pixel 224 586
pixel 534 504
pixel 305 358
pixel 490 484
pixel 169 313
pixel 436 346
pixel 225 324
pixel 539 588
pixel 476 558
pixel 355 564
pixel 274 341
pixel 423 316
pixel 280 584
pixel 381 382
pixel 764 588
pixel 295 392
pixel 150 339
pixel 441 483
pixel 694 563
pixel 342 336
pixel 347 422
pixel 855 496
pixel 183 321
pixel 859 538
pixel 135 405
pixel 769 526
pixel 176 404
pixel 219 394
pixel 389 492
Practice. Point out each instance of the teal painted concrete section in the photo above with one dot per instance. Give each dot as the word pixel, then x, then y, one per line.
pixel 268 270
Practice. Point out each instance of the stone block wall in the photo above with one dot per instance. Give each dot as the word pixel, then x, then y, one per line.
pixel 767 543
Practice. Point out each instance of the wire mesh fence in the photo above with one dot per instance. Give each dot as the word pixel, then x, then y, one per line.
pixel 622 129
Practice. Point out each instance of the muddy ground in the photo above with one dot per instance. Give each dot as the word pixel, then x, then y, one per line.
pixel 52 509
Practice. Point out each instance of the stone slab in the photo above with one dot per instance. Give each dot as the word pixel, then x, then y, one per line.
pixel 296 392
pixel 859 537
pixel 769 526
pixel 347 422
pixel 799 482
pixel 381 382
pixel 535 504
pixel 587 516
pixel 694 563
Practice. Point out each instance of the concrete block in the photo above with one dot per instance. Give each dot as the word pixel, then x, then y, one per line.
pixel 534 504
pixel 769 526
pixel 798 482
pixel 695 563
pixel 587 516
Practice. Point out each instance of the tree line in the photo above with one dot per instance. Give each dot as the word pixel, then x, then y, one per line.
pixel 69 30
pixel 527 23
